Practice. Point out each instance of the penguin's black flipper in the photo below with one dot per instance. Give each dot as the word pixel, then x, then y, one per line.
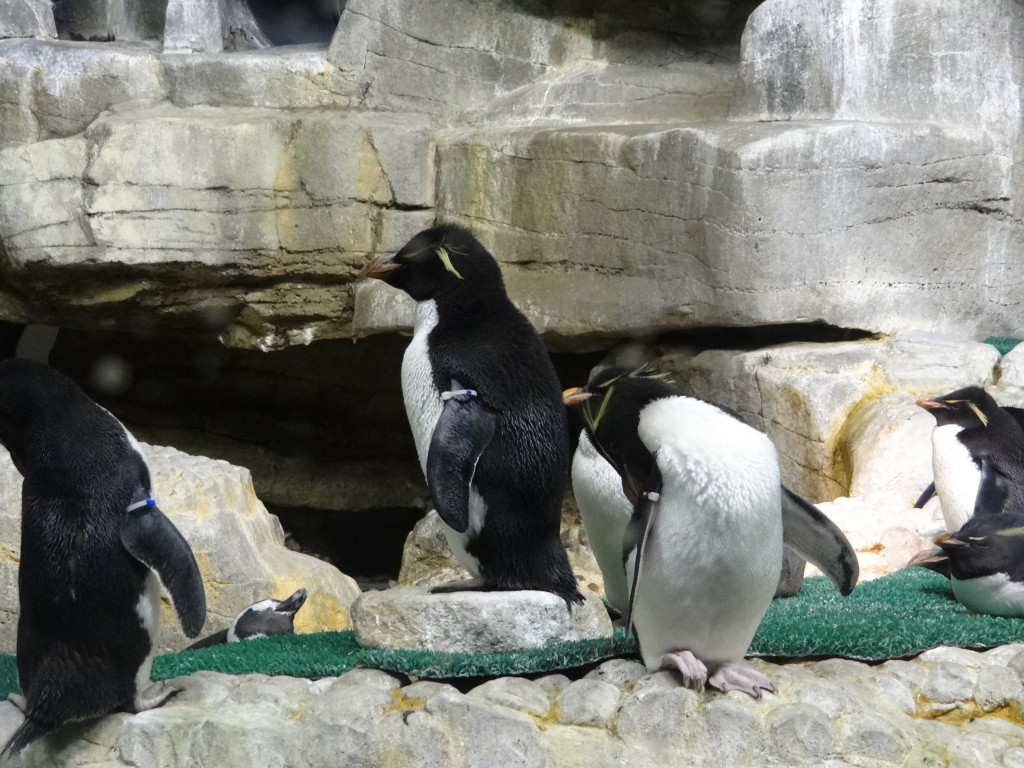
pixel 151 538
pixel 817 539
pixel 27 732
pixel 993 490
pixel 638 529
pixel 462 434
pixel 217 638
pixel 925 497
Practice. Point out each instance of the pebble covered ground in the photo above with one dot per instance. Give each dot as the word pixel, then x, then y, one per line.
pixel 947 707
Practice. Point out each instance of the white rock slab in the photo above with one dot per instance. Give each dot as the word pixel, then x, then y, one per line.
pixel 473 622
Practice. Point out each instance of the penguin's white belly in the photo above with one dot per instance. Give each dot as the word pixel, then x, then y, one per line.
pixel 995 595
pixel 956 476
pixel 713 557
pixel 423 406
pixel 606 512
pixel 148 610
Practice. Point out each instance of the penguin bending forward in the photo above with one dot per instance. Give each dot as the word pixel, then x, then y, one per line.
pixel 95 550
pixel 485 408
pixel 703 549
pixel 976 444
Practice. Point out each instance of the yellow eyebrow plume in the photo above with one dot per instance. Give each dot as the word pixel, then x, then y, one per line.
pixel 447 261
pixel 977 412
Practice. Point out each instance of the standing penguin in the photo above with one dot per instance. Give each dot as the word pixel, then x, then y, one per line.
pixel 984 562
pixel 975 444
pixel 703 549
pixel 485 408
pixel 95 550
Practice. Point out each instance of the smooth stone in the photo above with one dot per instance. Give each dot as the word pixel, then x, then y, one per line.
pixel 588 702
pixel 473 622
pixel 515 693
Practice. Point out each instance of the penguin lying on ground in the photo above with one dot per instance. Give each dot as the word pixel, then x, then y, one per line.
pixel 261 619
pixel 974 438
pixel 95 550
pixel 703 549
pixel 984 562
pixel 486 413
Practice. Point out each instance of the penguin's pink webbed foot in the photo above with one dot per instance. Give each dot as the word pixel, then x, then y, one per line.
pixel 694 673
pixel 735 677
pixel 154 696
pixel 18 701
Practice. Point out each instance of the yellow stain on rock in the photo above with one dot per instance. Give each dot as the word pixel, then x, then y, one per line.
pixel 968 711
pixel 321 613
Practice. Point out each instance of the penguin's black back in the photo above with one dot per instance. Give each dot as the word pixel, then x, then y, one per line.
pixel 1001 440
pixel 79 588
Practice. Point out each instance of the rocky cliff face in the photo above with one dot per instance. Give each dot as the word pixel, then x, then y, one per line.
pixel 171 181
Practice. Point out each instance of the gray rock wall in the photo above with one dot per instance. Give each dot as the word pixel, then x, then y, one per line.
pixel 658 168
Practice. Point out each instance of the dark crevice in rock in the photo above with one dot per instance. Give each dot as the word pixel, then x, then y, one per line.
pixel 365 545
pixel 296 22
pixel 740 338
pixel 755 337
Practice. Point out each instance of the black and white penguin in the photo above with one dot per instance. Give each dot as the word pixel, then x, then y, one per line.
pixel 984 561
pixel 264 618
pixel 606 512
pixel 95 550
pixel 974 437
pixel 485 408
pixel 703 548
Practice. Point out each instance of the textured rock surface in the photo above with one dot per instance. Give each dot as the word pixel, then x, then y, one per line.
pixel 473 622
pixel 27 18
pixel 829 407
pixel 630 160
pixel 948 707
pixel 238 546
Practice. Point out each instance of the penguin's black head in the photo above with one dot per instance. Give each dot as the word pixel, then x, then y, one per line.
pixel 610 405
pixel 968 407
pixel 986 544
pixel 31 396
pixel 443 259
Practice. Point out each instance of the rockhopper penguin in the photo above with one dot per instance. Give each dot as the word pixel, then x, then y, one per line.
pixel 984 561
pixel 975 444
pixel 606 512
pixel 95 550
pixel 485 408
pixel 703 549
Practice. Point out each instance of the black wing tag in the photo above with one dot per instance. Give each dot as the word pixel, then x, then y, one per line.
pixel 461 435
pixel 993 490
pixel 807 531
pixel 151 538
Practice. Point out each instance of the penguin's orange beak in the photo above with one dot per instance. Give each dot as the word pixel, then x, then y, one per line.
pixel 379 267
pixel 948 541
pixel 575 395
pixel 928 557
pixel 929 403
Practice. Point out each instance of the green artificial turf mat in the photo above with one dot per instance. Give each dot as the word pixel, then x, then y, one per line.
pixel 1003 343
pixel 896 616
